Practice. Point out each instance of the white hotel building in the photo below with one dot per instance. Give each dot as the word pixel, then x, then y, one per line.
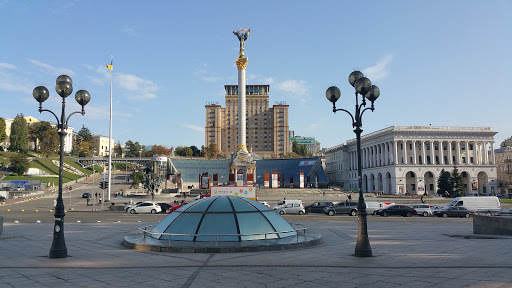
pixel 408 159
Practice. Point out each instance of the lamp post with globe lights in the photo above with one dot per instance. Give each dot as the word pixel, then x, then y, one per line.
pixel 364 87
pixel 64 88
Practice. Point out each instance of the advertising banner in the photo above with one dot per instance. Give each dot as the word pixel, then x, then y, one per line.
pixel 275 182
pixel 301 180
pixel 239 191
pixel 266 180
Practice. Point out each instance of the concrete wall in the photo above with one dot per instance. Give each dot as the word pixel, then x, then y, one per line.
pixel 499 225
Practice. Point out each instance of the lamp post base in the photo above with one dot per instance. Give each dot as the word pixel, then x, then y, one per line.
pixel 58 249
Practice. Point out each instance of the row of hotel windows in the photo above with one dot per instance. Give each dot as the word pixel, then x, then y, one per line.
pixel 250 90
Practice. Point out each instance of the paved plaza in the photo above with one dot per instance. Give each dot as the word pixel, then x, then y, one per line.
pixel 406 254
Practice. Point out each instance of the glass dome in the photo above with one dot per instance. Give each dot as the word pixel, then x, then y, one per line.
pixel 217 215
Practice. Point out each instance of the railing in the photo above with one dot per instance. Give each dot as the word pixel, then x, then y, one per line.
pixel 144 230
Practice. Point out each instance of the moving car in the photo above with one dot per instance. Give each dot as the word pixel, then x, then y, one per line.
pixel 86 195
pixel 292 208
pixel 318 207
pixel 454 211
pixel 128 206
pixel 422 209
pixel 402 210
pixel 349 208
pixel 145 207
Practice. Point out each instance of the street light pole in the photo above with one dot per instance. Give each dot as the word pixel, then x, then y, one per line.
pixel 371 92
pixel 64 88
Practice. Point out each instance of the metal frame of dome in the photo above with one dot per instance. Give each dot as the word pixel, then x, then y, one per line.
pixel 232 218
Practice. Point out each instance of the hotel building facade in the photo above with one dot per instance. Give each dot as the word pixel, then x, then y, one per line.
pixel 267 127
pixel 409 159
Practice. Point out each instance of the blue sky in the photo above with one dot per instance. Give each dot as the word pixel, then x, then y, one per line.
pixel 439 63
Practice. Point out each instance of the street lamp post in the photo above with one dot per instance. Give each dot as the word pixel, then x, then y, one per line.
pixel 64 88
pixel 369 92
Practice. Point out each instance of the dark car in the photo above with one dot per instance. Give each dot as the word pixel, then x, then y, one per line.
pixel 317 207
pixel 454 211
pixel 401 210
pixel 164 206
pixel 2 198
pixel 86 195
pixel 349 208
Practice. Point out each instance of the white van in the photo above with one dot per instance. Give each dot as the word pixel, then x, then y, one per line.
pixel 282 203
pixel 481 203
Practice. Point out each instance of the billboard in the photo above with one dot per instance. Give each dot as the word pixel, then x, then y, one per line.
pixel 239 191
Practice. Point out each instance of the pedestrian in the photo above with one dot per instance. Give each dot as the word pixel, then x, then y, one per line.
pixel 349 198
pixel 96 195
pixel 54 203
pixel 421 199
pixel 323 194
pixel 87 201
pixel 100 199
pixel 152 196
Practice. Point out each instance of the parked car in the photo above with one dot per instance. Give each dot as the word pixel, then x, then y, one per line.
pixel 173 207
pixel 292 208
pixel 454 211
pixel 202 196
pixel 402 210
pixel 2 198
pixel 284 202
pixel 317 207
pixel 422 209
pixel 349 208
pixel 86 195
pixel 265 203
pixel 128 206
pixel 145 207
pixel 164 206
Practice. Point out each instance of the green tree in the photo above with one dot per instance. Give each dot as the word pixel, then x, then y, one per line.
pixel 118 150
pixel 211 151
pixel 84 149
pixel 3 133
pixel 300 149
pixel 19 135
pixel 20 163
pixel 49 142
pixel 134 149
pixel 84 135
pixel 137 177
pixel 443 183
pixel 195 151
pixel 456 183
pixel 183 151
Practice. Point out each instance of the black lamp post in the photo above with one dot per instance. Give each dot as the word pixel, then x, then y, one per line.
pixel 64 88
pixel 371 92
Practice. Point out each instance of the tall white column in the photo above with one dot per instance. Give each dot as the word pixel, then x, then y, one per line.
pixel 395 152
pixel 414 152
pixel 476 154
pixel 492 153
pixel 441 154
pixel 423 153
pixel 450 157
pixel 432 154
pixel 404 146
pixel 467 154
pixel 458 153
pixel 241 110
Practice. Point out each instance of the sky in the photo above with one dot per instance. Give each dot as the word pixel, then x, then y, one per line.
pixel 436 62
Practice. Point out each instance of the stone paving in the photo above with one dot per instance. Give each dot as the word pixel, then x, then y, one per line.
pixel 406 254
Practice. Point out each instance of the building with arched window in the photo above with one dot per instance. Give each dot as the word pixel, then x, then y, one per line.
pixel 409 159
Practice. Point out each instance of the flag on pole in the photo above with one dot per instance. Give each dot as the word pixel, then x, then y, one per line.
pixel 111 66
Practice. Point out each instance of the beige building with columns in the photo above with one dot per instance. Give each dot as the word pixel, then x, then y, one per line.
pixel 408 159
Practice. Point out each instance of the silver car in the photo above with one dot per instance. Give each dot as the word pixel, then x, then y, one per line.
pixel 422 209
pixel 145 207
pixel 292 208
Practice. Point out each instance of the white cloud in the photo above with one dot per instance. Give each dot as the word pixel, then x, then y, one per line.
pixel 379 71
pixel 7 66
pixel 51 69
pixel 131 30
pixel 140 88
pixel 298 89
pixel 192 127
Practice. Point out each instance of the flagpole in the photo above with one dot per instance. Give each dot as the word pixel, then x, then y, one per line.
pixel 110 134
